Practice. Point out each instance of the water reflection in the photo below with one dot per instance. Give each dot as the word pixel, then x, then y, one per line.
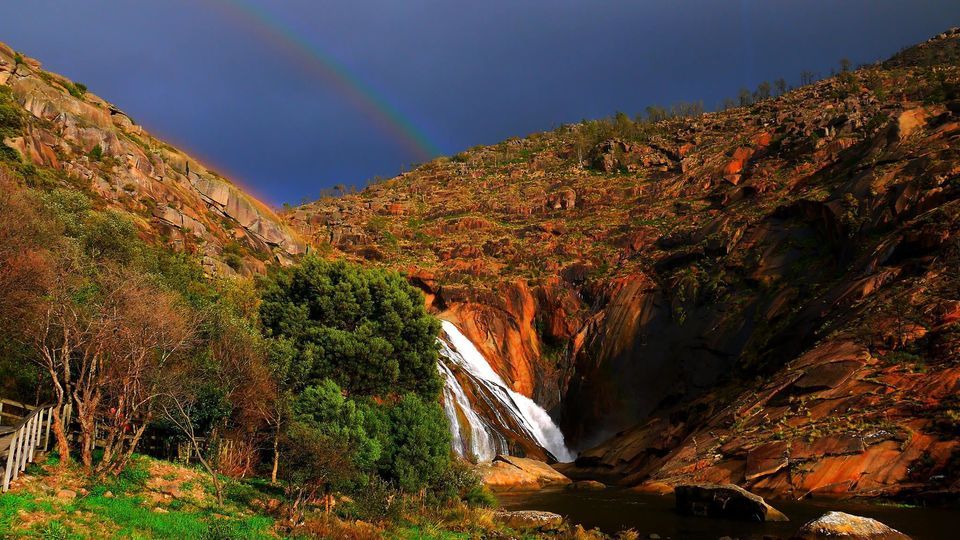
pixel 613 510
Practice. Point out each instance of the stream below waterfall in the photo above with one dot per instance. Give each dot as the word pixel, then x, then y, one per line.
pixel 613 510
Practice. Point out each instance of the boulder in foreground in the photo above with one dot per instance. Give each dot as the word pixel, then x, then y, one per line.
pixel 838 525
pixel 509 473
pixel 529 519
pixel 725 501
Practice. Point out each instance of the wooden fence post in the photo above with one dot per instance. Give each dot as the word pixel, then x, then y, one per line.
pixel 35 434
pixel 8 470
pixel 46 438
pixel 25 451
pixel 18 459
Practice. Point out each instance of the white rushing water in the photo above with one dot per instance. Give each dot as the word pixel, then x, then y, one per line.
pixel 485 441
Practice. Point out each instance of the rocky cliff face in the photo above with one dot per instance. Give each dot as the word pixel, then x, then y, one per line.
pixel 768 295
pixel 172 196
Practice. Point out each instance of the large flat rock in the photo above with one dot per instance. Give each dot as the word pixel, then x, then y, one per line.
pixel 509 473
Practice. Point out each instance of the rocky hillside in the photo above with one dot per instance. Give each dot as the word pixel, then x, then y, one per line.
pixel 69 135
pixel 768 295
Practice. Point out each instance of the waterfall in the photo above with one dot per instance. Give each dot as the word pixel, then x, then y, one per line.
pixel 483 412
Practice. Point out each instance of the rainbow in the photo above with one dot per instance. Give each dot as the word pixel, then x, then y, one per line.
pixel 321 64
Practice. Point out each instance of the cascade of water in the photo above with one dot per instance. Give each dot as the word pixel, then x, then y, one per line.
pixel 459 353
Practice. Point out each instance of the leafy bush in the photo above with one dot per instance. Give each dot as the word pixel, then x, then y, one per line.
pixel 460 481
pixel 377 501
pixel 480 496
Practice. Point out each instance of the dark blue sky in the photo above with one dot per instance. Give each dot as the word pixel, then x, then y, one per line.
pixel 222 86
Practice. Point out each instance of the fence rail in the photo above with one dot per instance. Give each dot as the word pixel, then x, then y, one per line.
pixel 19 443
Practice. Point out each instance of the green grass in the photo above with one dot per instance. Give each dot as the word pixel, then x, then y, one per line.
pixel 135 520
pixel 123 517
pixel 12 503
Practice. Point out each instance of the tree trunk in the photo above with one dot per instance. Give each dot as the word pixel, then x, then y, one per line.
pixel 60 433
pixel 86 442
pixel 276 455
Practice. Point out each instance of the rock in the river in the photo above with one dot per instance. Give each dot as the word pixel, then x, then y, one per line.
pixel 529 519
pixel 507 473
pixel 586 485
pixel 725 501
pixel 838 525
pixel 653 488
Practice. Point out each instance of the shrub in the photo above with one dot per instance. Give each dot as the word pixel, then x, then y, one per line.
pixel 96 153
pixel 480 496
pixel 77 90
pixel 460 481
pixel 379 500
pixel 325 410
pixel 11 115
pixel 417 450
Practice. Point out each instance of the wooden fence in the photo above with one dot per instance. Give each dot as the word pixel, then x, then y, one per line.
pixel 20 441
pixel 25 429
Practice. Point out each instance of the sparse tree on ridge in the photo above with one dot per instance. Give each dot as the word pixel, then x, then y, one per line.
pixel 781 86
pixel 763 91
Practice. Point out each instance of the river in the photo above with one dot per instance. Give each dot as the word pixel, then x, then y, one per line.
pixel 613 510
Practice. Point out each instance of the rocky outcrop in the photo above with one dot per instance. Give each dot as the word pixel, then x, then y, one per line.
pixel 838 525
pixel 615 155
pixel 170 195
pixel 726 501
pixel 511 473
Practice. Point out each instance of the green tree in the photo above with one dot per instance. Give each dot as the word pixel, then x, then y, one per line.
pixel 417 451
pixel 366 329
pixel 324 409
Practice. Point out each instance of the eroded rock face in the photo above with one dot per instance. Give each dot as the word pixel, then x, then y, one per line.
pixel 761 296
pixel 847 526
pixel 725 501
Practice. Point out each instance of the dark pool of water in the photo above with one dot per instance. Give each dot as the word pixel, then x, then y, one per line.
pixel 613 510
